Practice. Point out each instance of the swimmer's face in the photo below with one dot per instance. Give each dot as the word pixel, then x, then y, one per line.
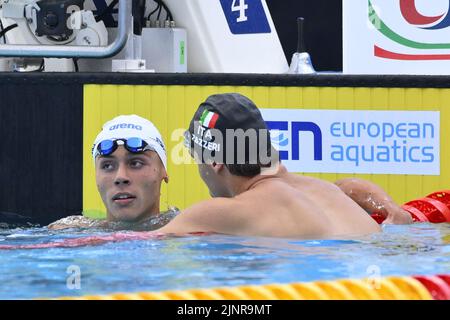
pixel 130 184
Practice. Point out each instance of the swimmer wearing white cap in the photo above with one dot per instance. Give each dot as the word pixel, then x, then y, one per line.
pixel 130 164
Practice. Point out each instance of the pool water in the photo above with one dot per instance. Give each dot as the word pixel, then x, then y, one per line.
pixel 211 261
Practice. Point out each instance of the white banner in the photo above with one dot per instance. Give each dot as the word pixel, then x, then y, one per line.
pixel 335 141
pixel 396 37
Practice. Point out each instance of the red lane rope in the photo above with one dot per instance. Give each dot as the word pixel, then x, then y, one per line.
pixel 98 240
pixel 88 241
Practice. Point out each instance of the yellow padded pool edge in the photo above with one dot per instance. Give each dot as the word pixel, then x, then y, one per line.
pixel 388 288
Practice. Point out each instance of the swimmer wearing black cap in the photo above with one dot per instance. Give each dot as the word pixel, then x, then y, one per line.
pixel 254 194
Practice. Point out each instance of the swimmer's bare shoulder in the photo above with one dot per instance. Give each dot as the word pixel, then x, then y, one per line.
pixel 149 224
pixel 218 215
pixel 76 222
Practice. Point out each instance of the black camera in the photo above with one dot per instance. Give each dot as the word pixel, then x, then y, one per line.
pixel 53 15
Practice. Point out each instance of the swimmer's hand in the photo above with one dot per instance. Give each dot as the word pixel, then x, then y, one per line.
pixel 373 199
pixel 75 222
pixel 396 215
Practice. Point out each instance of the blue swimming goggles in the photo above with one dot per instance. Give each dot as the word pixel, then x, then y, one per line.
pixel 133 145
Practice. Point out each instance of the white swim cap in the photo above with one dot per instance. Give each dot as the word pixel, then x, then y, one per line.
pixel 132 126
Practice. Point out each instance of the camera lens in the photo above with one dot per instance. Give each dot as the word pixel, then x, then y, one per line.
pixel 51 20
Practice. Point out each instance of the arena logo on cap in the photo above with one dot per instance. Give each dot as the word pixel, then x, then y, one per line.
pixel 126 126
pixel 374 142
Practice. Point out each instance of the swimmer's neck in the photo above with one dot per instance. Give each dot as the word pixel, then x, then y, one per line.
pixel 240 185
pixel 142 218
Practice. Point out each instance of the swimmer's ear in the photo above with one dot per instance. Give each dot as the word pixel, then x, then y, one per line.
pixel 166 176
pixel 217 167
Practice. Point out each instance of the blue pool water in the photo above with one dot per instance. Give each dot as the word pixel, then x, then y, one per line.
pixel 211 261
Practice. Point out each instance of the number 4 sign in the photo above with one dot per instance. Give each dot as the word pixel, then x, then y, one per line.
pixel 246 16
pixel 242 7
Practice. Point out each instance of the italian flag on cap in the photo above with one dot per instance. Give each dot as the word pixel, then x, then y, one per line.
pixel 209 119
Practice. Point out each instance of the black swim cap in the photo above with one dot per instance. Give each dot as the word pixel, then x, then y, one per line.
pixel 226 125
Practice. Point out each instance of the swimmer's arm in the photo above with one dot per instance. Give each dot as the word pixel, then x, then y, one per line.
pixel 215 215
pixel 372 198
